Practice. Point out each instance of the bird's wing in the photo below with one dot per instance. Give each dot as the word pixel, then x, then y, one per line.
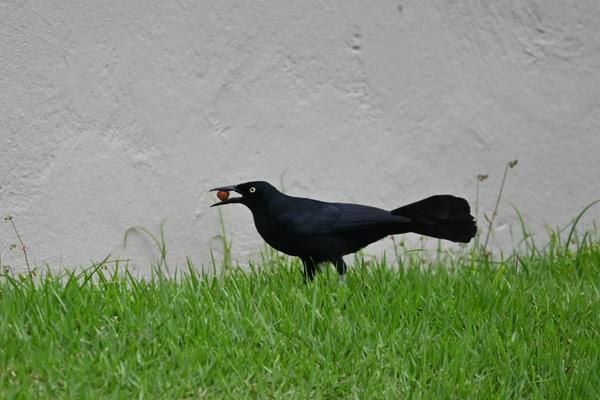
pixel 320 218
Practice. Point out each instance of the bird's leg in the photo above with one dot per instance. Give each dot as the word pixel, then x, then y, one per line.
pixel 341 266
pixel 310 268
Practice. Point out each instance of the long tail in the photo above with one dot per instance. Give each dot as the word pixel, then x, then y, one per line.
pixel 443 217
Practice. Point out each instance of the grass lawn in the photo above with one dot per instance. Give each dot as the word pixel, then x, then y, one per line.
pixel 457 327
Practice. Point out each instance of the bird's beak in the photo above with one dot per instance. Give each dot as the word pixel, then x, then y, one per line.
pixel 231 200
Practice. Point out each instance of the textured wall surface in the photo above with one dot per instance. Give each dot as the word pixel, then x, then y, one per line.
pixel 114 114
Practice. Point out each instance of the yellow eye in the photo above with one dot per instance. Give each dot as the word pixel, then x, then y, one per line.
pixel 252 189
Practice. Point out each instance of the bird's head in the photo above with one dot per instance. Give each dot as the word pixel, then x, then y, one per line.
pixel 253 194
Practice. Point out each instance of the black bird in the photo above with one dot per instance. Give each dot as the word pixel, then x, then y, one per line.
pixel 317 232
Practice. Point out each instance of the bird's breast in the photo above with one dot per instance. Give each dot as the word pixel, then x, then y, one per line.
pixel 277 237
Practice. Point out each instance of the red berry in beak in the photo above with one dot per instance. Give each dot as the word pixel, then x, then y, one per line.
pixel 222 195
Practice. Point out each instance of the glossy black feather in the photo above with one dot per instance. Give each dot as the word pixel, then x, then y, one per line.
pixel 311 217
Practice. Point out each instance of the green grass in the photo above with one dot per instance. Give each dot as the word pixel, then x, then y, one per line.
pixel 456 327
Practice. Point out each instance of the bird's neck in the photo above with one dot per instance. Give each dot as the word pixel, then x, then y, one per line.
pixel 272 208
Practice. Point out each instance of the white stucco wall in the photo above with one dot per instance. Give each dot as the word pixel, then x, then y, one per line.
pixel 123 113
